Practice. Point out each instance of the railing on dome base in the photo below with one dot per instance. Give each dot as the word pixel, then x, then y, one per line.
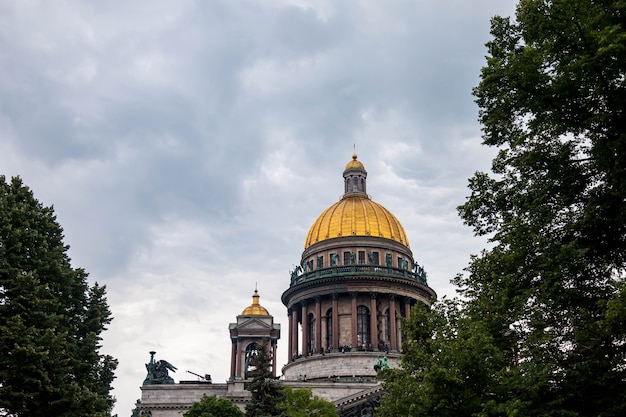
pixel 418 275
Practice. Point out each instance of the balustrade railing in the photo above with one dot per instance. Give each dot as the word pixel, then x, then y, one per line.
pixel 352 270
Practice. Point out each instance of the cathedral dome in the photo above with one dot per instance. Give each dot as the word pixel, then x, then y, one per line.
pixel 255 309
pixel 355 282
pixel 356 214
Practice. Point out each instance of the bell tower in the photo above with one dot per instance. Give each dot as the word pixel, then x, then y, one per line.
pixel 253 325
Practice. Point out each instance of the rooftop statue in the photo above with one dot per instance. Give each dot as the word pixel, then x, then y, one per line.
pixel 381 363
pixel 404 264
pixel 158 371
pixel 419 271
pixel 139 413
pixel 295 273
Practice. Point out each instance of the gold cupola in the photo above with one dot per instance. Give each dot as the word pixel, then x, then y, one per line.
pixel 255 309
pixel 356 214
pixel 355 164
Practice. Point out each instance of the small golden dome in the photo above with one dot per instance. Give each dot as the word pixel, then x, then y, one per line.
pixel 356 215
pixel 255 309
pixel 354 164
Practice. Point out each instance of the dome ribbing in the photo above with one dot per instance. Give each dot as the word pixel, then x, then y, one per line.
pixel 356 214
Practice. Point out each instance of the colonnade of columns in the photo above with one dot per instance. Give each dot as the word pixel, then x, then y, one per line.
pixel 299 312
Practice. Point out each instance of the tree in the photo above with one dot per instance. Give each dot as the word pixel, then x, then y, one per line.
pixel 302 403
pixel 213 407
pixel 449 362
pixel 552 99
pixel 548 299
pixel 267 393
pixel 50 318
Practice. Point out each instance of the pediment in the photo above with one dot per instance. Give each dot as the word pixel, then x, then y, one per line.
pixel 254 324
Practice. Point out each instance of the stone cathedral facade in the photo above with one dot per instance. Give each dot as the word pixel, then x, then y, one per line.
pixel 355 281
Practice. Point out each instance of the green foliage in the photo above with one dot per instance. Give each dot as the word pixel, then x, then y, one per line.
pixel 50 318
pixel 268 394
pixel 553 100
pixel 213 407
pixel 302 403
pixel 544 308
pixel 448 363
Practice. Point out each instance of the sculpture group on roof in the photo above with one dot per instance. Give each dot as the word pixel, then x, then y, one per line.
pixel 158 371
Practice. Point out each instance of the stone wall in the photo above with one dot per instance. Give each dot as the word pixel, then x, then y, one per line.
pixel 172 400
pixel 334 391
pixel 329 365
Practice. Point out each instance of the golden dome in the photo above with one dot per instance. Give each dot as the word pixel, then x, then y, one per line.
pixel 354 164
pixel 356 215
pixel 255 309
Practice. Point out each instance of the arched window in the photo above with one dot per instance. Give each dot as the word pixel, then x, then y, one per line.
pixel 363 326
pixel 251 351
pixel 311 329
pixel 329 328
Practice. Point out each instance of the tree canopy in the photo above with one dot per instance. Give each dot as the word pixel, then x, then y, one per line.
pixel 51 319
pixel 301 402
pixel 210 406
pixel 448 363
pixel 543 310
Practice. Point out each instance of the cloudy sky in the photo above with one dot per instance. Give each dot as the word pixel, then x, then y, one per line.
pixel 187 146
